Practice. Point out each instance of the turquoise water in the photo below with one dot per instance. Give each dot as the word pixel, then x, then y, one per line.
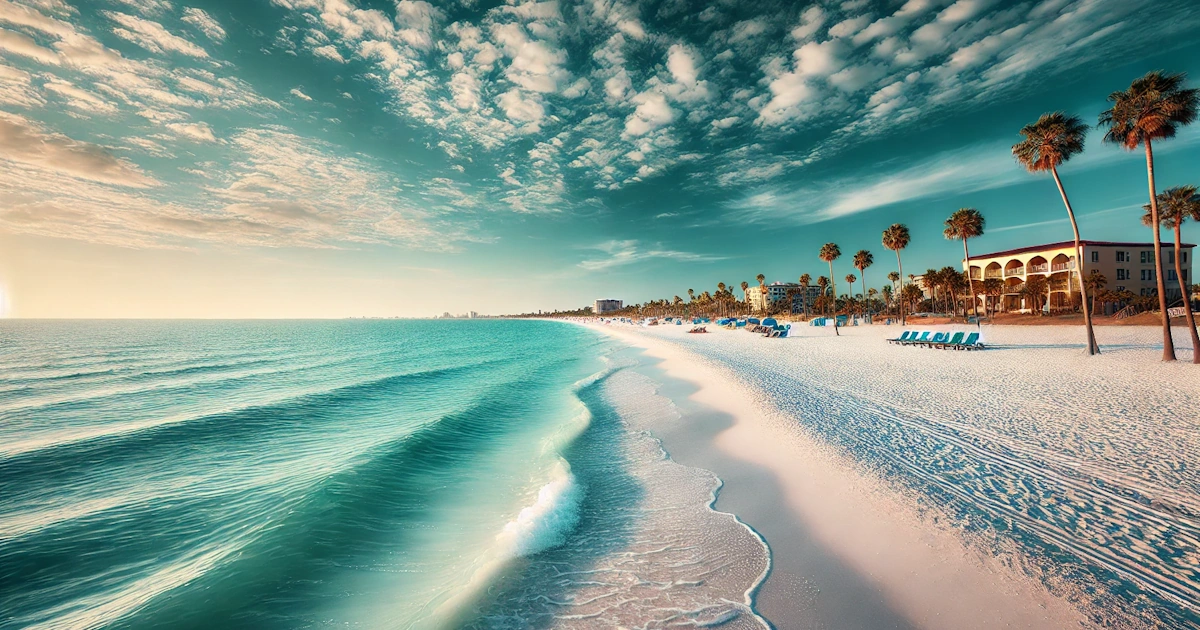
pixel 354 473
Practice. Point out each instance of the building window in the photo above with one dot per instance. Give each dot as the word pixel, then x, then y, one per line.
pixel 1095 256
pixel 1148 275
pixel 1122 257
pixel 1119 287
pixel 1122 274
pixel 1147 257
pixel 1170 257
pixel 1171 275
pixel 1183 257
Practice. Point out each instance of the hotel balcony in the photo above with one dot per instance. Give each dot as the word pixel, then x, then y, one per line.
pixel 994 274
pixel 1043 268
pixel 1015 288
pixel 1067 266
pixel 1014 271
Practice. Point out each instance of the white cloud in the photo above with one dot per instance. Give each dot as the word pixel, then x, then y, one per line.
pixel 152 36
pixel 19 44
pixel 197 132
pixel 329 52
pixel 80 98
pixel 811 21
pixel 652 112
pixel 625 252
pixel 25 142
pixel 205 23
pixel 849 27
pixel 300 94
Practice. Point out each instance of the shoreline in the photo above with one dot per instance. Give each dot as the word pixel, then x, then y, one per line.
pixel 846 548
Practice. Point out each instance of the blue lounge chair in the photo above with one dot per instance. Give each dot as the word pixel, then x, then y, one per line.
pixel 915 338
pixel 938 339
pixel 903 336
pixel 970 343
pixel 954 341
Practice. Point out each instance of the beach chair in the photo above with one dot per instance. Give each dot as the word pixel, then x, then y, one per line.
pixel 936 339
pixel 917 339
pixel 903 336
pixel 970 343
pixel 954 341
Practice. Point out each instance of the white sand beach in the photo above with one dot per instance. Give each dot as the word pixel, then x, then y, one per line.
pixel 1026 486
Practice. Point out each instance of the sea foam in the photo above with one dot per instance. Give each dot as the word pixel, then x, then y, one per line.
pixel 546 523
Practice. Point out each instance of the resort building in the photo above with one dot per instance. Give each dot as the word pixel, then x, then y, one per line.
pixel 1126 267
pixel 761 298
pixel 601 307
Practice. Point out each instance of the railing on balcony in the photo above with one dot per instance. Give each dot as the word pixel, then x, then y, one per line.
pixel 1014 271
pixel 1067 266
pixel 1039 268
pixel 1015 288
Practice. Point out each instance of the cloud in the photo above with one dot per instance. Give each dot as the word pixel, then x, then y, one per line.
pixel 197 132
pixel 329 52
pixel 23 141
pixel 79 98
pixel 205 23
pixel 152 36
pixel 955 172
pixel 618 253
pixel 300 95
pixel 19 44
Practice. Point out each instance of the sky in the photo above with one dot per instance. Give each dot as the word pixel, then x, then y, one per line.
pixel 336 158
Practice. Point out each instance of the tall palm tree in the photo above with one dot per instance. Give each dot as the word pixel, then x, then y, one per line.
pixel 1176 205
pixel 1153 108
pixel 862 260
pixel 721 297
pixel 963 224
pixel 691 294
pixel 1049 142
pixel 829 253
pixel 896 238
pixel 894 277
pixel 805 280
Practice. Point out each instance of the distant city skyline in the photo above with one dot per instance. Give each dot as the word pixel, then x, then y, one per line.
pixel 348 158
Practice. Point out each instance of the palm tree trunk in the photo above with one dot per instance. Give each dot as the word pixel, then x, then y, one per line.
pixel 1187 299
pixel 1168 344
pixel 833 284
pixel 903 321
pixel 1093 347
pixel 970 281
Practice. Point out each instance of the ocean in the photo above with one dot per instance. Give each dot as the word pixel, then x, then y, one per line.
pixel 359 473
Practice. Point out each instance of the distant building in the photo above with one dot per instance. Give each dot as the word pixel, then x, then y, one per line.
pixel 472 315
pixel 760 298
pixel 1126 266
pixel 601 307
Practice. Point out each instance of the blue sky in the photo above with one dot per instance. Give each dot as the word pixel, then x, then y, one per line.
pixel 176 158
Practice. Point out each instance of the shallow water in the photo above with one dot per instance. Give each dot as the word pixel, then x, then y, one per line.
pixel 371 473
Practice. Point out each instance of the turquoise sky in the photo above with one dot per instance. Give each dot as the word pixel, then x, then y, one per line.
pixel 269 158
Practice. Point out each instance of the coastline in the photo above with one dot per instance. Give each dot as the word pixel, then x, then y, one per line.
pixel 847 546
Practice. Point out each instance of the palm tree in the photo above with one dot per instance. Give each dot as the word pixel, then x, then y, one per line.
pixel 894 277
pixel 823 285
pixel 1095 282
pixel 1036 289
pixel 805 279
pixel 691 294
pixel 862 260
pixel 721 296
pixel 1049 142
pixel 896 238
pixel 1153 108
pixel 963 224
pixel 829 253
pixel 1175 206
pixel 993 288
